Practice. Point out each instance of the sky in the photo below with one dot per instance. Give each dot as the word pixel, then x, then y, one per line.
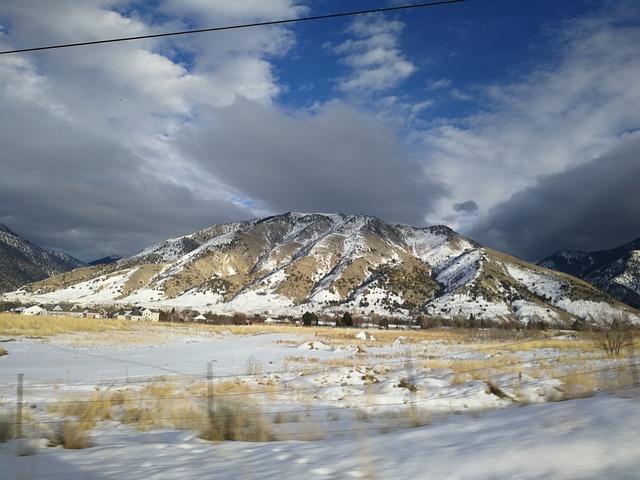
pixel 513 122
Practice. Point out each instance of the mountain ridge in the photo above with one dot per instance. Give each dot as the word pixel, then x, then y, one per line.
pixel 289 263
pixel 23 262
pixel 615 270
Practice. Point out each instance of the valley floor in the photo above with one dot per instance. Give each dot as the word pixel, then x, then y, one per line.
pixel 306 403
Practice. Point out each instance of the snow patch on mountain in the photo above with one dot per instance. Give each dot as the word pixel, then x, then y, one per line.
pixel 432 246
pixel 462 305
pixel 525 311
pixel 598 312
pixel 543 285
pixel 462 270
pixel 630 277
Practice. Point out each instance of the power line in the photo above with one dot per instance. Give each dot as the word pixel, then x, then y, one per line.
pixel 232 27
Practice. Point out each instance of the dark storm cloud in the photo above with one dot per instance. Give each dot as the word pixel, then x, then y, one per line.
pixel 466 207
pixel 68 189
pixel 335 160
pixel 589 207
pixel 86 164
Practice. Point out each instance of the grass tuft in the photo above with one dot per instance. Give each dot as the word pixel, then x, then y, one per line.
pixel 70 434
pixel 6 427
pixel 237 422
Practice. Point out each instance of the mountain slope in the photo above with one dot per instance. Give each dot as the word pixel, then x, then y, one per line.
pixel 616 271
pixel 23 262
pixel 290 263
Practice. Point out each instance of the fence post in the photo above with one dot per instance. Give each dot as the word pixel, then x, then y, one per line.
pixel 19 406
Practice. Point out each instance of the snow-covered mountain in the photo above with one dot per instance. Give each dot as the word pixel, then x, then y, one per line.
pixel 23 262
pixel 290 263
pixel 616 271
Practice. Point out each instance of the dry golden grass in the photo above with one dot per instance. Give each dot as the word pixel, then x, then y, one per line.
pixel 12 325
pixel 577 382
pixel 551 342
pixel 234 386
pixel 237 421
pixel 172 404
pixel 258 329
pixel 342 362
pixel 335 336
pixel 143 418
pixel 106 330
pixel 463 370
pixel 72 435
pixel 163 403
pixel 86 411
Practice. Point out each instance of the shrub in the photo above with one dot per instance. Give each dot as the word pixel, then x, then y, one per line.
pixel 580 325
pixel 143 418
pixel 70 434
pixel 87 411
pixel 6 428
pixel 237 422
pixel 614 337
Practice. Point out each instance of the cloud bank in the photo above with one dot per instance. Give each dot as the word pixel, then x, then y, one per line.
pixel 106 150
pixel 592 206
pixel 576 109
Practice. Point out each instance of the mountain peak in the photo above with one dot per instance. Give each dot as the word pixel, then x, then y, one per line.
pixel 24 262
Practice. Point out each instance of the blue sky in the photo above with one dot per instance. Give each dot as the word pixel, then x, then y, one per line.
pixel 513 122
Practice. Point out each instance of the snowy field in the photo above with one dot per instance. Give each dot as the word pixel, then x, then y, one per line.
pixel 334 404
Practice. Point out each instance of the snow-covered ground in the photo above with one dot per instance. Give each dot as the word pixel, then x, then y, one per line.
pixel 356 406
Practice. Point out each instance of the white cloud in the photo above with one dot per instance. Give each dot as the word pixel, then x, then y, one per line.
pixel 374 58
pixel 236 11
pixel 438 84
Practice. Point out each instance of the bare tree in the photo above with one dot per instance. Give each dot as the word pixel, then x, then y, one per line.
pixel 615 336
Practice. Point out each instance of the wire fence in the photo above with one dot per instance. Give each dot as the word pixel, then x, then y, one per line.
pixel 312 401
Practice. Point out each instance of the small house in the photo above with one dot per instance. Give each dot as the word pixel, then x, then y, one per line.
pixel 150 315
pixel 34 310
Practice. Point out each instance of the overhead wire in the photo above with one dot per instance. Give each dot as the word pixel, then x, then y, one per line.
pixel 232 27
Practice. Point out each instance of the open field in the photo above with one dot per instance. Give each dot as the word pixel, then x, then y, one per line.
pixel 103 385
